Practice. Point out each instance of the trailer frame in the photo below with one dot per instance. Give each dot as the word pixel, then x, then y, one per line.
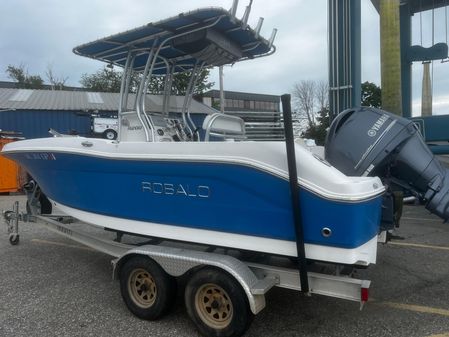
pixel 256 279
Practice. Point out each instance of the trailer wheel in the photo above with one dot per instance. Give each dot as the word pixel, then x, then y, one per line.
pixel 217 304
pixel 7 215
pixel 14 239
pixel 148 291
pixel 110 134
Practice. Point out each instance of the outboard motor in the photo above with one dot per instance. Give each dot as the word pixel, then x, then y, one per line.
pixel 372 142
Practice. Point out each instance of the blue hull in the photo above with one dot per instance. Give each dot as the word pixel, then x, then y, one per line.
pixel 214 196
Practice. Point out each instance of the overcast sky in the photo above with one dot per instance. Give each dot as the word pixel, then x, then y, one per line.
pixel 42 33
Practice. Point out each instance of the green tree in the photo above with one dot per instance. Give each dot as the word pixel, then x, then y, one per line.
pixel 318 131
pixel 371 95
pixel 180 83
pixel 109 80
pixel 24 80
pixel 104 80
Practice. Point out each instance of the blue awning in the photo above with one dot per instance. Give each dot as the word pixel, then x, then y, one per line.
pixel 211 36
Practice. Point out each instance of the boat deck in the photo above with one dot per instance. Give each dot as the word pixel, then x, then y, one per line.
pixel 43 275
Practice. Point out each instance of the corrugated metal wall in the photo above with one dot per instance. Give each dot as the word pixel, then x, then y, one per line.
pixel 35 123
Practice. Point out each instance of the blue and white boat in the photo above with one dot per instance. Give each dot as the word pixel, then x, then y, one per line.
pixel 168 178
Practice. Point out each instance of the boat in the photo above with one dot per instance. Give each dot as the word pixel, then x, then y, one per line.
pixel 167 177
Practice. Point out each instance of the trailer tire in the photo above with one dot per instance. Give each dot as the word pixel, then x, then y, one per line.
pixel 110 134
pixel 148 291
pixel 217 304
pixel 14 239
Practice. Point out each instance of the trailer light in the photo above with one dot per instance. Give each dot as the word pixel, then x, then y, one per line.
pixel 364 294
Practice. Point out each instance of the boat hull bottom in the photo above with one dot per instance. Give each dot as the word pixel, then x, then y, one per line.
pixel 364 254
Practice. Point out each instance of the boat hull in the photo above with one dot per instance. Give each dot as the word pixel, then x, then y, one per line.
pixel 201 199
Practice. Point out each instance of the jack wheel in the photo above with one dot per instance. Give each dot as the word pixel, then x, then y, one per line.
pixel 7 215
pixel 217 304
pixel 14 239
pixel 148 291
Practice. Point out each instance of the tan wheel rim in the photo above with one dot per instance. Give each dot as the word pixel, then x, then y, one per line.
pixel 213 306
pixel 142 288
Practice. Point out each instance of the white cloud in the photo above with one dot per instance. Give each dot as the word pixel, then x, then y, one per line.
pixel 44 32
pixel 49 30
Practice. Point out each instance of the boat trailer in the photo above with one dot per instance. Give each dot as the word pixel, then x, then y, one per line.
pixel 227 284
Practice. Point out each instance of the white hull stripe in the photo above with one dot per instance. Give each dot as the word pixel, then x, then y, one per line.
pixel 365 254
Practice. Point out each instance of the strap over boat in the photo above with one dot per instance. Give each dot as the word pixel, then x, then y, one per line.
pixel 208 36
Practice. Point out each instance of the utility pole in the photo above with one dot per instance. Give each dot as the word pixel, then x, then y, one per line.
pixel 222 98
pixel 426 99
pixel 390 56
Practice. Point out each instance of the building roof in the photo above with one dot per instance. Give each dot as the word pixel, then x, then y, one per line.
pixel 243 96
pixel 28 99
pixel 15 85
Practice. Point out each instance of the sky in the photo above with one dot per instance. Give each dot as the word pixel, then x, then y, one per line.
pixel 42 34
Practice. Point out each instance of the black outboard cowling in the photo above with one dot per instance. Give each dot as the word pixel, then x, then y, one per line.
pixel 372 142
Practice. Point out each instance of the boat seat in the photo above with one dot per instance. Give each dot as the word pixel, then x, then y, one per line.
pixel 131 128
pixel 223 126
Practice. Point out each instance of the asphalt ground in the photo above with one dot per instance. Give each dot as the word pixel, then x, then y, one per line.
pixel 51 286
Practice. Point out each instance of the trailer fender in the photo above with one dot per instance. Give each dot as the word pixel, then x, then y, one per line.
pixel 176 262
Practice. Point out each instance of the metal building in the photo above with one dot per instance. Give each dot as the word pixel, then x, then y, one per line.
pixel 33 112
pixel 261 113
